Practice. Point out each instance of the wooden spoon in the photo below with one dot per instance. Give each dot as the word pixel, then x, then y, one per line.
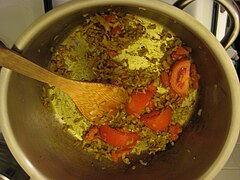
pixel 92 99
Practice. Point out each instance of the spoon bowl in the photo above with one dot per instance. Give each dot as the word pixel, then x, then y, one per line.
pixel 92 99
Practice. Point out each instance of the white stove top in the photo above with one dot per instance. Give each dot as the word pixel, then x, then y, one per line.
pixel 15 16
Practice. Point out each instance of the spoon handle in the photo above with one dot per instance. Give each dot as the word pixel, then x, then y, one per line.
pixel 19 64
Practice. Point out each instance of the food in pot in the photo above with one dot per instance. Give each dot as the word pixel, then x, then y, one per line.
pixel 146 59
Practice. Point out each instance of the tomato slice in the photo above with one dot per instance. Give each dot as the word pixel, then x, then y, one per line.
pixel 139 100
pixel 112 53
pixel 152 88
pixel 115 30
pixel 181 51
pixel 174 131
pixel 158 120
pixel 91 134
pixel 116 154
pixel 151 105
pixel 165 79
pixel 109 18
pixel 117 138
pixel 180 76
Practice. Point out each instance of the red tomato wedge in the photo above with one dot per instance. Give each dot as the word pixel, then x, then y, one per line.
pixel 116 154
pixel 110 18
pixel 151 105
pixel 180 52
pixel 158 120
pixel 174 131
pixel 165 79
pixel 139 100
pixel 91 134
pixel 112 53
pixel 115 30
pixel 152 88
pixel 117 138
pixel 180 76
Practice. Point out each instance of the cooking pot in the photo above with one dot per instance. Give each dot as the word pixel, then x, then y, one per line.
pixel 45 151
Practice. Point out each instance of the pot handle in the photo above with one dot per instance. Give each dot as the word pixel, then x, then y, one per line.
pixel 233 13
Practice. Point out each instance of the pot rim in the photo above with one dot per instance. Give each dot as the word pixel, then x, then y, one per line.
pixel 181 17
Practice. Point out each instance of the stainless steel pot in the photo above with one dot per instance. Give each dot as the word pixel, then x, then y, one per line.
pixel 46 152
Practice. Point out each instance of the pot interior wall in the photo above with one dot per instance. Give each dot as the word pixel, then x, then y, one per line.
pixel 52 151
